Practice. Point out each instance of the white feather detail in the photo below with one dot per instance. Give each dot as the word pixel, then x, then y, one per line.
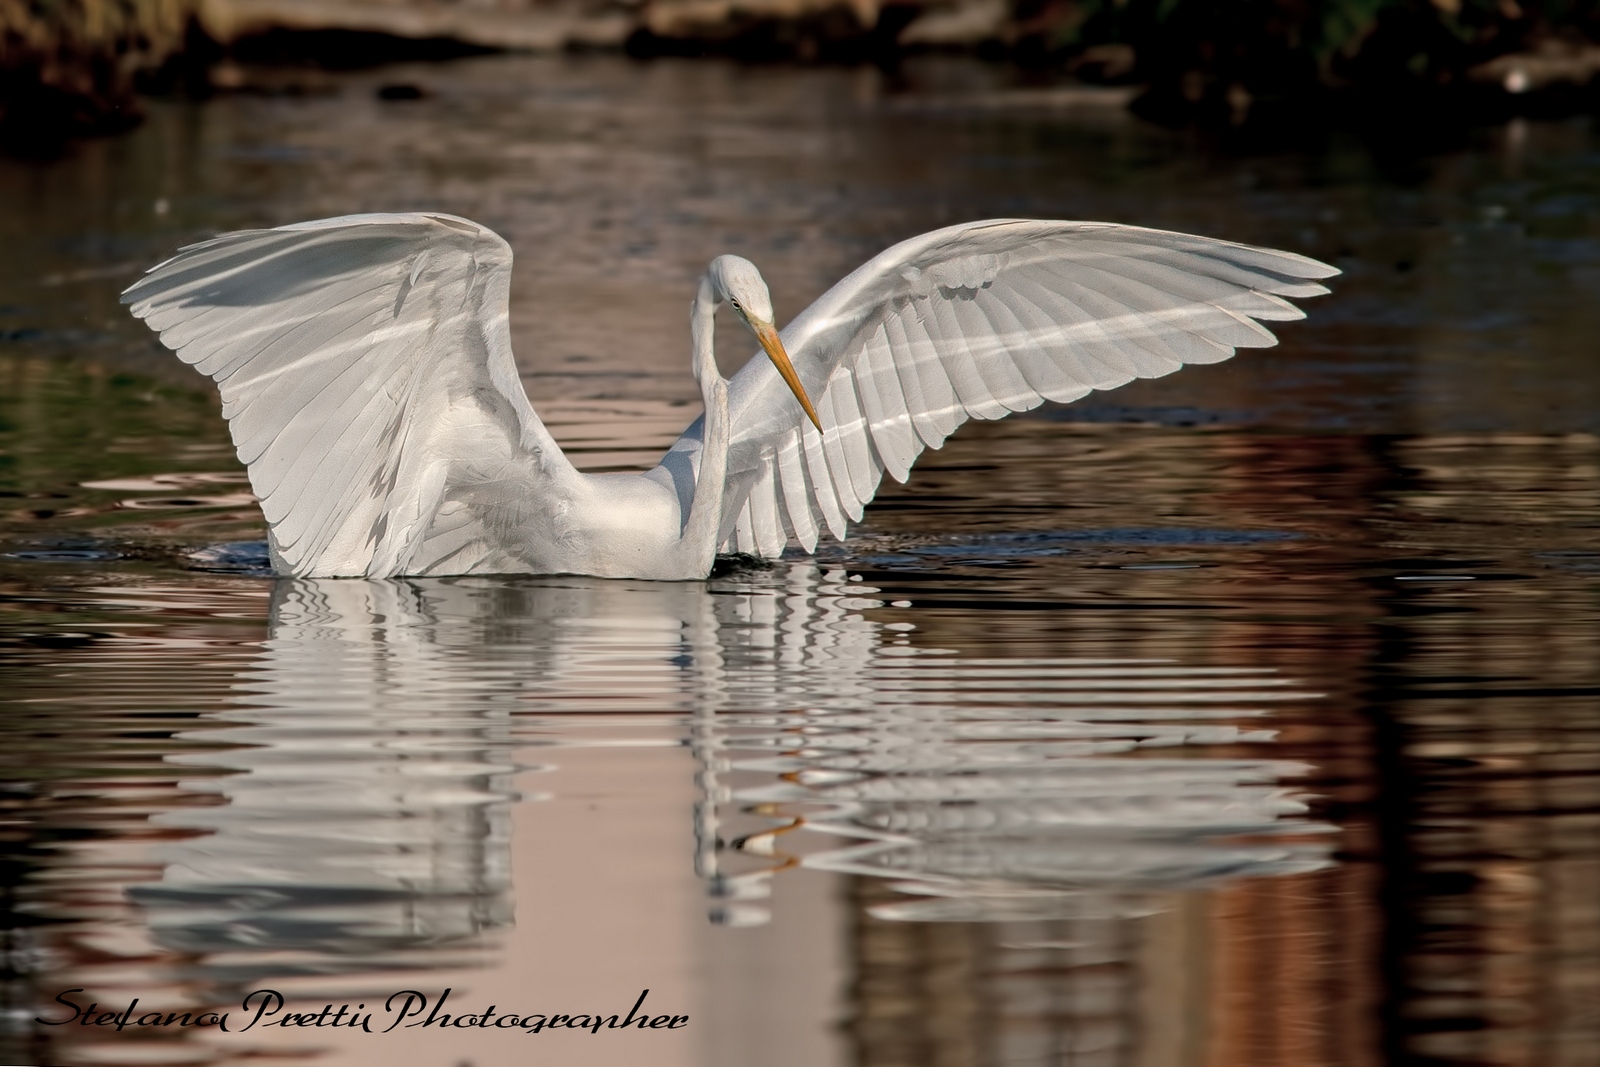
pixel 980 320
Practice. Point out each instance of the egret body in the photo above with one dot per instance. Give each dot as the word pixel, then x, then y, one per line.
pixel 366 374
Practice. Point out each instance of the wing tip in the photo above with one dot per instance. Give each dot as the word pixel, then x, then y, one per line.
pixel 1312 268
pixel 379 218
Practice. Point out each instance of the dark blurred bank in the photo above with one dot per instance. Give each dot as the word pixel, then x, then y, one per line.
pixel 75 67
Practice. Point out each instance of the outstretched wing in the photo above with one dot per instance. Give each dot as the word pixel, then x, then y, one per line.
pixel 978 321
pixel 366 374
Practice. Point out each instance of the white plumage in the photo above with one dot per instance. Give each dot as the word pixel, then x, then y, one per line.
pixel 366 373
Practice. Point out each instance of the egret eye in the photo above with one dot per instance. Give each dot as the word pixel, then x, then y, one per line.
pixel 735 304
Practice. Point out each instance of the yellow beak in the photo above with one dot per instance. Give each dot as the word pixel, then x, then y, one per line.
pixel 768 336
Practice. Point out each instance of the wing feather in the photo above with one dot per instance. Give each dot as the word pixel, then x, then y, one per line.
pixel 1131 340
pixel 915 349
pixel 1055 322
pixel 861 460
pixel 770 534
pixel 819 479
pixel 965 338
pixel 1003 339
pixel 365 369
pixel 793 482
pixel 884 405
pixel 979 320
pixel 1030 330
pixel 833 448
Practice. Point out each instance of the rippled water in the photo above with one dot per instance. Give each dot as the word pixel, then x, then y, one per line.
pixel 1250 716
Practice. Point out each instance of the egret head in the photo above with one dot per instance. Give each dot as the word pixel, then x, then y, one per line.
pixel 736 281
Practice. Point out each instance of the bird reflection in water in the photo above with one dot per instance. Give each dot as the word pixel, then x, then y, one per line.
pixel 367 797
pixel 983 789
pixel 362 819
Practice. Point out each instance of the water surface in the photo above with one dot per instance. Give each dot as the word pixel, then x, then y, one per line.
pixel 1250 715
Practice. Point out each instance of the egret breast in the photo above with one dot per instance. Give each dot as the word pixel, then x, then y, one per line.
pixel 624 525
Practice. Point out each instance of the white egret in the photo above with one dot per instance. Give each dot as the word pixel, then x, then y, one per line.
pixel 366 374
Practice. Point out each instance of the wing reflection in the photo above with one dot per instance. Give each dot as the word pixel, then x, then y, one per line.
pixel 364 808
pixel 984 789
pixel 360 817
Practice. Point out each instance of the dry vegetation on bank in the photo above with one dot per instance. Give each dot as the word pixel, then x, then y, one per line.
pixel 72 65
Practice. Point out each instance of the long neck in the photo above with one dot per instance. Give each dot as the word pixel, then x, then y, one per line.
pixel 705 513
